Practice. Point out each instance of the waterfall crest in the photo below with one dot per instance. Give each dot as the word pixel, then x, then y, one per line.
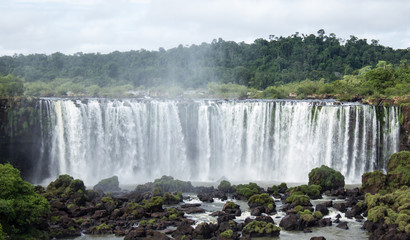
pixel 204 140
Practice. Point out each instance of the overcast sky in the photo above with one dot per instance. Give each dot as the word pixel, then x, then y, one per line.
pixel 70 26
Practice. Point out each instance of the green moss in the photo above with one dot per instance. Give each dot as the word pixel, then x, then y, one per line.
pixel 157 191
pixel 307 218
pixel 326 177
pixel 247 190
pixel 311 190
pixel 103 227
pixel 107 199
pixel 260 228
pixel 227 234
pixel 173 217
pixel 298 198
pixel 54 219
pixel 261 199
pixel 317 214
pixel 305 212
pixel 298 208
pixel 108 184
pixel 225 186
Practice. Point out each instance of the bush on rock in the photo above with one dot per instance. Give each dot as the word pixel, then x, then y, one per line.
pixel 327 178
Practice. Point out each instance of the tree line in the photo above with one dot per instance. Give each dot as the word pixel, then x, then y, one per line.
pixel 264 63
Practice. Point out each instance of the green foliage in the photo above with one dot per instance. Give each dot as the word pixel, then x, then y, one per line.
pixel 261 64
pixel 172 198
pixel 169 184
pixel 298 198
pixel 373 181
pixel 391 208
pixel 317 214
pixel 3 235
pixel 157 192
pixel 230 90
pixel 247 190
pixel 21 208
pixel 261 228
pixel 227 234
pixel 225 186
pixel 107 200
pixel 260 199
pixel 11 85
pixel 312 191
pixel 326 177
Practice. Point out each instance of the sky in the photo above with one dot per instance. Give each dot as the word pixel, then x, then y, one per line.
pixel 104 26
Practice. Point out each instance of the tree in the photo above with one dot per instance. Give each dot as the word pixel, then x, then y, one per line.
pixel 21 208
pixel 11 85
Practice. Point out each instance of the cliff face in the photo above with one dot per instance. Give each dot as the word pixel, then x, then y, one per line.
pixel 405 129
pixel 20 134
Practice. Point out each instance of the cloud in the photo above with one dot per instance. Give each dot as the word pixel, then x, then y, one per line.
pixel 69 26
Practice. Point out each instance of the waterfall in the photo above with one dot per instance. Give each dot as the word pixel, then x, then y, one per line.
pixel 203 140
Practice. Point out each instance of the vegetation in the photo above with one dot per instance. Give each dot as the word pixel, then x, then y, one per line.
pixel 261 229
pixel 169 184
pixel 108 185
pixel 297 65
pixel 247 190
pixel 327 178
pixel 298 198
pixel 313 191
pixel 22 210
pixel 260 200
pixel 225 186
pixel 391 203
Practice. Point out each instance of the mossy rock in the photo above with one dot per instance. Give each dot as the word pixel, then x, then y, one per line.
pixel 260 200
pixel 261 229
pixel 372 182
pixel 169 184
pixel 154 204
pixel 313 191
pixel 327 178
pixel 173 198
pixel 398 174
pixel 247 190
pixel 391 208
pixel 225 186
pixel 298 198
pixel 108 185
pixel 398 160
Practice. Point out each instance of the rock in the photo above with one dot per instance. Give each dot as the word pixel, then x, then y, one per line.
pixel 151 234
pixel 108 185
pixel 232 208
pixel 327 178
pixel 342 225
pixel 183 229
pixel 267 219
pixel 290 222
pixel 138 233
pixel 100 214
pixel 225 218
pixel 340 206
pixel 372 182
pixel 225 186
pixel 205 197
pixel 260 229
pixel 191 208
pixel 202 231
pixel 325 222
pixel 322 208
pixel 317 238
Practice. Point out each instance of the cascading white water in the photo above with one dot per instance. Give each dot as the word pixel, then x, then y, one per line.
pixel 204 140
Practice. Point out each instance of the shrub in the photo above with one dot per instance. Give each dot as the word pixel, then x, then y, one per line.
pixel 247 190
pixel 21 208
pixel 327 178
pixel 260 229
pixel 225 186
pixel 227 234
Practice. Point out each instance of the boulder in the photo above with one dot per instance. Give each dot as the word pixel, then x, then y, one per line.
pixel 108 185
pixel 322 208
pixel 325 222
pixel 342 225
pixel 290 222
pixel 202 231
pixel 327 178
pixel 260 229
pixel 206 197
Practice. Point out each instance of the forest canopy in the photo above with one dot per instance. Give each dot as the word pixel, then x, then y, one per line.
pixel 317 62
